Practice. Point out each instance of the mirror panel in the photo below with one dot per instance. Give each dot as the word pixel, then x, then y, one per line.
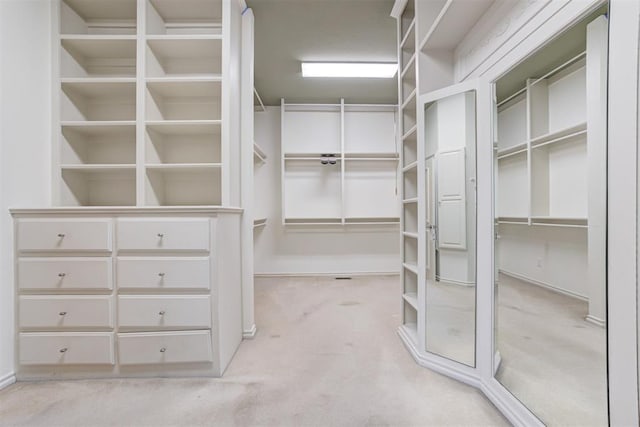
pixel 550 203
pixel 450 148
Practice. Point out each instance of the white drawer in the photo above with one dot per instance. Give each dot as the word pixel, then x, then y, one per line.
pixel 163 273
pixel 165 347
pixel 68 312
pixel 164 312
pixel 163 234
pixel 64 235
pixel 66 349
pixel 64 274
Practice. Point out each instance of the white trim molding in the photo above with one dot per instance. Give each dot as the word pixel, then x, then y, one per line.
pixel 545 285
pixel 596 321
pixel 342 275
pixel 7 380
pixel 442 365
pixel 248 334
pixel 622 221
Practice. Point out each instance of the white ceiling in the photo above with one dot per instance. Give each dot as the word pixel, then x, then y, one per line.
pixel 290 31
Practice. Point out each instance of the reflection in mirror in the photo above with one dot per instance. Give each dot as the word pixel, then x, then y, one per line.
pixel 551 228
pixel 450 150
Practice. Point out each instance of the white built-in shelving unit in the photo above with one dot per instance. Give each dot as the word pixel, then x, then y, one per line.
pixel 542 150
pixel 428 33
pixel 545 160
pixel 551 172
pixel 143 90
pixel 339 164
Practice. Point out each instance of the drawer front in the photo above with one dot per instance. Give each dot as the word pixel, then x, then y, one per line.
pixel 164 312
pixel 51 274
pixel 64 235
pixel 72 312
pixel 151 234
pixel 164 273
pixel 165 347
pixel 66 349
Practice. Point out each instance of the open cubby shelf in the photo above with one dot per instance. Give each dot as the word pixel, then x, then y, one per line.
pixel 98 56
pixel 99 186
pixel 411 298
pixel 113 17
pixel 184 57
pixel 88 145
pixel 184 17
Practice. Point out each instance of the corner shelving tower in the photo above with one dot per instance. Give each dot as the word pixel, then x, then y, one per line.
pixel 429 32
pixel 144 100
pixel 412 167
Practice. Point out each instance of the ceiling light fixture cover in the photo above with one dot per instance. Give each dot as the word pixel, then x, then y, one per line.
pixel 349 69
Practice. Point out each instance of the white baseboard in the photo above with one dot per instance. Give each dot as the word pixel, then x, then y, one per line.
pixel 455 282
pixel 247 335
pixel 596 321
pixel 439 364
pixel 7 380
pixel 350 274
pixel 497 360
pixel 512 409
pixel 544 285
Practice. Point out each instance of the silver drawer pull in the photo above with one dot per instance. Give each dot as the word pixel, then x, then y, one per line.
pixel 62 313
pixel 162 350
pixel 63 350
pixel 61 235
pixel 161 313
pixel 62 274
pixel 161 274
pixel 161 235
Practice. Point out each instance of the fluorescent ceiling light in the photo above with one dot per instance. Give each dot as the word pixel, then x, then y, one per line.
pixel 349 69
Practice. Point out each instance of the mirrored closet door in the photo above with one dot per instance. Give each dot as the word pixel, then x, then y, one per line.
pixel 550 204
pixel 450 214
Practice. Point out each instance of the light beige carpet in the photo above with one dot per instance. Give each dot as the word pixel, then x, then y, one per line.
pixel 326 354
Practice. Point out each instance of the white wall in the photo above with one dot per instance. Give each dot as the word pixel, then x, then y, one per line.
pixel 25 137
pixel 304 250
pixel 555 257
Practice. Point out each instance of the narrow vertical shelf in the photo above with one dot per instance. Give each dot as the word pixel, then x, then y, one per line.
pixel 408 47
pixel 407 19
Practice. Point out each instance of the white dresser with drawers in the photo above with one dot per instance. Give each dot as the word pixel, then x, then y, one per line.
pixel 104 292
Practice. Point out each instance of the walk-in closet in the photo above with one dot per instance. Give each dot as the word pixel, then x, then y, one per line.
pixel 319 212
